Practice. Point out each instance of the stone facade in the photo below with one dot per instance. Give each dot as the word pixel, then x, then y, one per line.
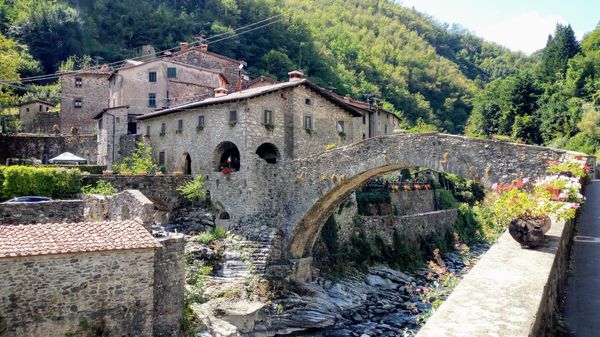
pixel 132 86
pixel 36 117
pixel 200 56
pixel 46 147
pixel 52 295
pixel 54 211
pixel 83 95
pixel 205 144
pixel 112 126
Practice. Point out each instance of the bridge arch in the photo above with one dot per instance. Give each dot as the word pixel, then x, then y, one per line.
pixel 324 180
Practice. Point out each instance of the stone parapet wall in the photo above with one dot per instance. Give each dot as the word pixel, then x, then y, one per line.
pixel 40 147
pixel 169 286
pixel 54 211
pixel 52 295
pixel 510 292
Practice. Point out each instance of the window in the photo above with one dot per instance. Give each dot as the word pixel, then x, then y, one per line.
pixel 147 130
pixel 163 128
pixel 47 109
pixel 171 72
pixel 152 76
pixel 268 117
pixel 233 116
pixel 364 119
pixel 308 122
pixel 40 108
pixel 77 103
pixel 364 136
pixel 152 100
pixel 100 123
pixel 179 126
pixel 78 82
pixel 307 101
pixel 200 122
pixel 161 158
pixel 340 126
pixel 387 116
pixel 385 129
pixel 27 109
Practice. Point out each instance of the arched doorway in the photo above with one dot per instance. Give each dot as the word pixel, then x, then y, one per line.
pixel 268 152
pixel 187 164
pixel 224 216
pixel 227 156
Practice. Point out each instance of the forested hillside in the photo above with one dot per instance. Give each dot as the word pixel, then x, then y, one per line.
pixel 426 71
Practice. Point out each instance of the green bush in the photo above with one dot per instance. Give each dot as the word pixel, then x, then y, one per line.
pixel 207 237
pixel 102 188
pixel 464 190
pixel 447 200
pixel 42 181
pixel 140 161
pixel 193 190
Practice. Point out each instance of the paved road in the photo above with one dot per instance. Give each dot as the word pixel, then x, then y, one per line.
pixel 582 307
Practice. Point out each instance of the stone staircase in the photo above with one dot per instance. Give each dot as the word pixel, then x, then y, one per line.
pixel 243 258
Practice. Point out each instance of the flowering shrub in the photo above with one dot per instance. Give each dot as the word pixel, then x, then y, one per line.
pixel 574 167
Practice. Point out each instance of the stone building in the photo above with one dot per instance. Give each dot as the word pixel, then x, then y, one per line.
pixel 380 121
pixel 37 116
pixel 83 95
pixel 280 121
pixel 78 278
pixel 199 56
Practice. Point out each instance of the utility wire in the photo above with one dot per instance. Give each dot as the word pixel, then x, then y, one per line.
pixel 208 40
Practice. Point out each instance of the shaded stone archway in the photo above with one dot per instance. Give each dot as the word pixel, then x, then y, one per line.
pixel 186 164
pixel 268 152
pixel 227 154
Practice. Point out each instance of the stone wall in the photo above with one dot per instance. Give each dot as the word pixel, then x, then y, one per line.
pixel 129 204
pixel 41 212
pixel 511 291
pixel 40 147
pixel 161 190
pixel 414 229
pixel 52 295
pixel 413 202
pixel 169 286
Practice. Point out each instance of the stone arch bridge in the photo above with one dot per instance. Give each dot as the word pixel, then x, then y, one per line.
pixel 318 184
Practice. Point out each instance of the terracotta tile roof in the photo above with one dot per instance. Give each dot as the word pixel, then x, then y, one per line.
pixel 62 238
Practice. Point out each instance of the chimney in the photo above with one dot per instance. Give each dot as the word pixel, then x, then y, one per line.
pixel 183 46
pixel 203 47
pixel 295 75
pixel 220 91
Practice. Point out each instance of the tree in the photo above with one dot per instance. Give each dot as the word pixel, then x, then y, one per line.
pixel 9 68
pixel 559 49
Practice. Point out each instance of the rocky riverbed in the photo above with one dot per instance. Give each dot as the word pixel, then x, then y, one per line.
pixel 382 302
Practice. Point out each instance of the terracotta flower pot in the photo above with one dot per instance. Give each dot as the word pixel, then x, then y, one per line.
pixel 554 192
pixel 529 231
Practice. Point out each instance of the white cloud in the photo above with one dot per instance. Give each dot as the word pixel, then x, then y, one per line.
pixel 526 32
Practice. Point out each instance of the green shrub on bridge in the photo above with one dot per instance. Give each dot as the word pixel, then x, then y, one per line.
pixel 41 181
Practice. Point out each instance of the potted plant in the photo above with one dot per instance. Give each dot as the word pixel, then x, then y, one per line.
pixel 527 214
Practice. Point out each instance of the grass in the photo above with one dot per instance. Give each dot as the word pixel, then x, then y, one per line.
pixel 207 237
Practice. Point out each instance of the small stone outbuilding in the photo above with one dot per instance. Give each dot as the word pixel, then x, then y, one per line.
pixel 71 278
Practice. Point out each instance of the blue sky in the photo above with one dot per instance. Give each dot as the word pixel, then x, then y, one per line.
pixel 521 25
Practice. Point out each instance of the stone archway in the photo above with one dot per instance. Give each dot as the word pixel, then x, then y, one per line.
pixel 227 155
pixel 309 227
pixel 268 152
